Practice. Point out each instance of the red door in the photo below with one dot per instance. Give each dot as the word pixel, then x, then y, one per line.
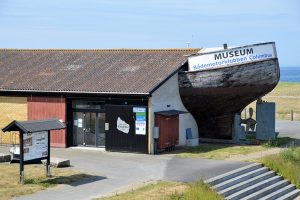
pixel 168 130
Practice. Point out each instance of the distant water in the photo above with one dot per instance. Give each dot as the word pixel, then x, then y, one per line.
pixel 290 74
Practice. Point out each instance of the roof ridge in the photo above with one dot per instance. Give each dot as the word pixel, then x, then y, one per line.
pixel 103 50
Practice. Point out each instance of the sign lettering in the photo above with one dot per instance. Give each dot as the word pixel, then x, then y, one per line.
pixel 234 56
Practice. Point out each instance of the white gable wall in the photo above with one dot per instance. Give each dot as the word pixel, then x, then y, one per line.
pixel 168 94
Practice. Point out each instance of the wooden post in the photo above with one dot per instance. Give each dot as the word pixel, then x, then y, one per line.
pixel 292 115
pixel 48 173
pixel 21 159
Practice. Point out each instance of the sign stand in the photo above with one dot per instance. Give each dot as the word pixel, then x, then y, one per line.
pixel 37 146
pixel 21 159
pixel 48 173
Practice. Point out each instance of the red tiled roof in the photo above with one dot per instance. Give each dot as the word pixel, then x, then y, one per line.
pixel 88 71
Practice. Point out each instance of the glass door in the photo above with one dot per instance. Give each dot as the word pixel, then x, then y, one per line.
pixel 88 129
pixel 78 128
pixel 89 132
pixel 100 130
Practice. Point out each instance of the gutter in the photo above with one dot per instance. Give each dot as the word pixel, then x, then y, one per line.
pixel 74 92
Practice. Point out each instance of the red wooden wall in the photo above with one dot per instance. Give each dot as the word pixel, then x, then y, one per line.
pixel 168 130
pixel 40 108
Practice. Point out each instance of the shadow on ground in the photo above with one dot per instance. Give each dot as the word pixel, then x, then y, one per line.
pixel 73 180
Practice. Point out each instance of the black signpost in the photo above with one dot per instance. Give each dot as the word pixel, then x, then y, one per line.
pixel 21 157
pixel 34 128
pixel 48 173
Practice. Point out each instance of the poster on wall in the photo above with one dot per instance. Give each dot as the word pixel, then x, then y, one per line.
pixel 75 122
pixel 35 145
pixel 140 120
pixel 140 127
pixel 79 123
pixel 122 126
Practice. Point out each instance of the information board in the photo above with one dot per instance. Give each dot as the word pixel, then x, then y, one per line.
pixel 35 145
pixel 140 120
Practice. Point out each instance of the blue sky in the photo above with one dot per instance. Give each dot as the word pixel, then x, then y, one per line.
pixel 101 24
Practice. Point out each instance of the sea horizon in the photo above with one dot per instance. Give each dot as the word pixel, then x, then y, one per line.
pixel 290 74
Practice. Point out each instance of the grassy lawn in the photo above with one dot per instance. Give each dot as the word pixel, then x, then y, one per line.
pixel 169 191
pixel 280 141
pixel 287 164
pixel 224 151
pixel 287 97
pixel 219 151
pixel 35 179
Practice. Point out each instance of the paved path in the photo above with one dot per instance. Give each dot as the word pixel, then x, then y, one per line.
pixel 119 171
pixel 288 128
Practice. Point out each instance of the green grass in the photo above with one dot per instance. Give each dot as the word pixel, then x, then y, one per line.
pixel 279 142
pixel 168 191
pixel 35 179
pixel 224 151
pixel 287 98
pixel 219 151
pixel 286 164
pixel 160 190
pixel 198 190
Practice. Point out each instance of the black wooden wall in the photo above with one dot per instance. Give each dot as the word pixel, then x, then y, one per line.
pixel 120 141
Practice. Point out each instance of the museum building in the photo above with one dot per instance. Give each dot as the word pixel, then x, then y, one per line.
pixel 112 99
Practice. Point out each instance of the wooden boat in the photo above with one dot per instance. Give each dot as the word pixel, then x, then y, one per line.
pixel 214 95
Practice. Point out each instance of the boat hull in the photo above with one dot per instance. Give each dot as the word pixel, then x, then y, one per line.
pixel 214 96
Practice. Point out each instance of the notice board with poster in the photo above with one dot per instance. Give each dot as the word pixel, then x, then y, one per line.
pixel 34 141
pixel 35 145
pixel 140 120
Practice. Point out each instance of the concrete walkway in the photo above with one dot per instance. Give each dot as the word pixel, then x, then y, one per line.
pixel 114 172
pixel 288 128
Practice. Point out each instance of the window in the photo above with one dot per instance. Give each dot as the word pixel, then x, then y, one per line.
pixel 97 105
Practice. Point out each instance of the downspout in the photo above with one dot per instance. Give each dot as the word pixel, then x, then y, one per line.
pixel 149 126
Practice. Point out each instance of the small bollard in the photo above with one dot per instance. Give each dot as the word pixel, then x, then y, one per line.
pixel 292 115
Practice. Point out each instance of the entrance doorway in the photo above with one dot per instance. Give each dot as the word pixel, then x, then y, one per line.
pixel 88 129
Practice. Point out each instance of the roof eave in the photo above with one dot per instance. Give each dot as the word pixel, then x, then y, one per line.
pixel 62 92
pixel 10 126
pixel 167 78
